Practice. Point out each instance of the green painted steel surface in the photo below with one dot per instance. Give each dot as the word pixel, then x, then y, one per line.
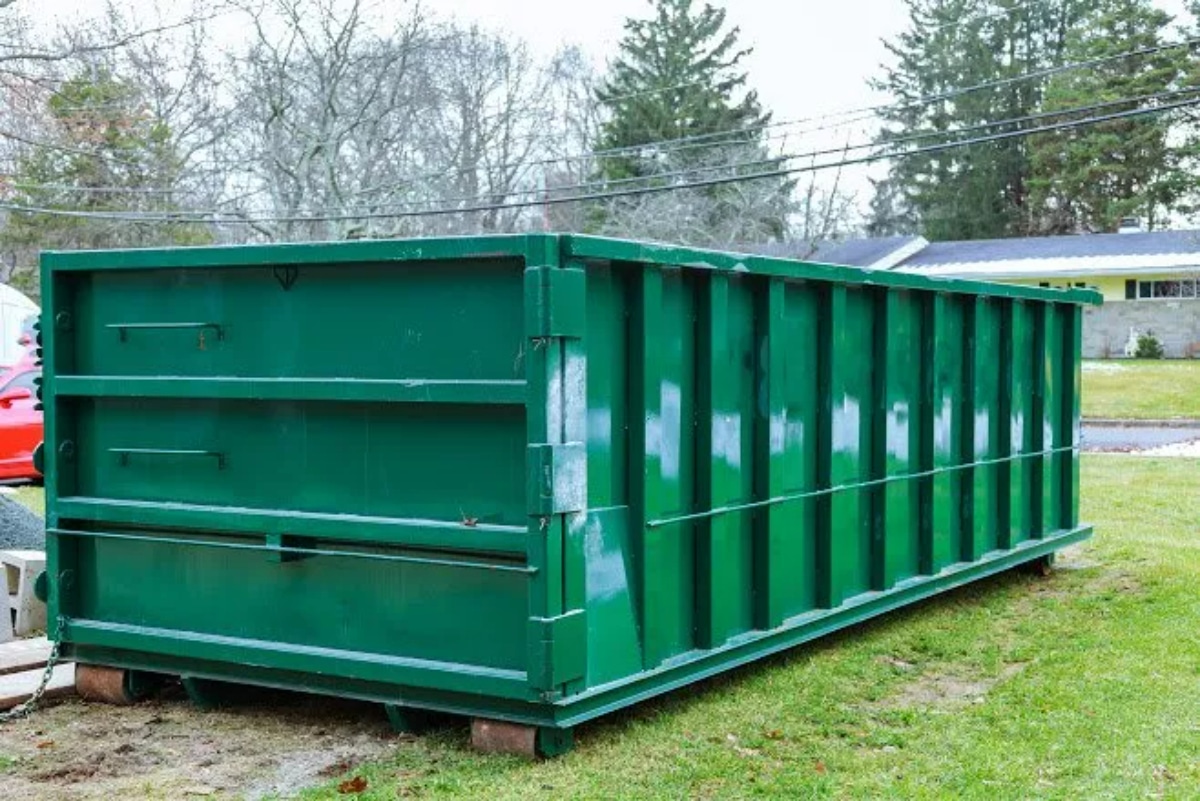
pixel 535 478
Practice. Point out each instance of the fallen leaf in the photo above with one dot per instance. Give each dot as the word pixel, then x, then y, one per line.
pixel 46 744
pixel 336 769
pixel 1163 773
pixel 353 786
pixel 774 734
pixel 899 664
pixel 820 768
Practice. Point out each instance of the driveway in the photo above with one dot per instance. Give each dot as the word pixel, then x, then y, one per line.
pixel 1126 438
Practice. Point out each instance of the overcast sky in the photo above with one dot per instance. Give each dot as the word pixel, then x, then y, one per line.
pixel 811 57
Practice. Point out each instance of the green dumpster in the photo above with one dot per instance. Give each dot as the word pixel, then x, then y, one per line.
pixel 528 479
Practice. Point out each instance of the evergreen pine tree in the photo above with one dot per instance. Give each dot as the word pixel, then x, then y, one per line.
pixel 678 76
pixel 1089 178
pixel 979 191
pixel 109 155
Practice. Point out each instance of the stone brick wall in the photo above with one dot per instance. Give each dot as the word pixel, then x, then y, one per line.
pixel 1176 323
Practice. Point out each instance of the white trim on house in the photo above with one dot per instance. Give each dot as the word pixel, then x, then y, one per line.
pixel 1064 267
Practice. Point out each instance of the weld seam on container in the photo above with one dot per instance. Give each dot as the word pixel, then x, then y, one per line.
pixel 241 546
pixel 724 510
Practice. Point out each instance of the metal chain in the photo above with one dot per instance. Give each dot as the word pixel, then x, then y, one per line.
pixel 27 706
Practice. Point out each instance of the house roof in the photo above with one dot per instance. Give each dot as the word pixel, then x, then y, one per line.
pixel 1066 256
pixel 882 253
pixel 1076 256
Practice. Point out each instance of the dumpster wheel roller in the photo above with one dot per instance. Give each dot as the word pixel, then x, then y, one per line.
pixel 106 685
pixel 1042 567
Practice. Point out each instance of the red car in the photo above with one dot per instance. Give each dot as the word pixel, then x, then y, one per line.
pixel 20 422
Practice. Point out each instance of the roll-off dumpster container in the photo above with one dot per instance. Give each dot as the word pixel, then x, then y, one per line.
pixel 530 479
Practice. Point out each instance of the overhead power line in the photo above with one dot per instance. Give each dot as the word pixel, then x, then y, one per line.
pixel 918 101
pixel 1042 73
pixel 201 217
pixel 696 172
pixel 735 135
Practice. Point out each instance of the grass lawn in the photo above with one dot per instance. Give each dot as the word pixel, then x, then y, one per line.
pixel 1141 390
pixel 1083 685
pixel 32 496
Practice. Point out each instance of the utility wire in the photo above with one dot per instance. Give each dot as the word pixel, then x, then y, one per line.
pixel 871 111
pixel 835 150
pixel 200 217
pixel 734 136
pixel 766 161
pixel 694 172
pixel 698 171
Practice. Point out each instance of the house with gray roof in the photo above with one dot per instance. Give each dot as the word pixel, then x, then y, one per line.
pixel 1150 279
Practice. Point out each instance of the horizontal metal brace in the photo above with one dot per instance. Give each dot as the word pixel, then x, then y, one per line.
pixel 240 546
pixel 800 496
pixel 123 329
pixel 368 530
pixel 350 390
pixel 125 453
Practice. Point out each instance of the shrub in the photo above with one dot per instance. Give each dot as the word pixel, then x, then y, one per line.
pixel 1148 347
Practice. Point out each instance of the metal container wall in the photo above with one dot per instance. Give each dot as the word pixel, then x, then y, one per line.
pixel 531 478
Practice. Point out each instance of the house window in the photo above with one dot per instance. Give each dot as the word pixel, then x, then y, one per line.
pixel 1167 290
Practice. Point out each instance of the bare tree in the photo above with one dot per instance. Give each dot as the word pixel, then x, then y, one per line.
pixel 108 138
pixel 326 110
pixel 22 51
pixel 823 212
pixel 738 210
pixel 572 137
pixel 492 114
pixel 349 129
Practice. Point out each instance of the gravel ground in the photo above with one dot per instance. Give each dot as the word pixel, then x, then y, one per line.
pixel 20 529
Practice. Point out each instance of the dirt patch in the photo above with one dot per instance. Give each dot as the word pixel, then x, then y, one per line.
pixel 1101 578
pixel 1116 582
pixel 274 746
pixel 940 691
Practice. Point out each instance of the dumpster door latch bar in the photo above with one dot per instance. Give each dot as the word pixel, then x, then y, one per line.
pixel 123 329
pixel 125 453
